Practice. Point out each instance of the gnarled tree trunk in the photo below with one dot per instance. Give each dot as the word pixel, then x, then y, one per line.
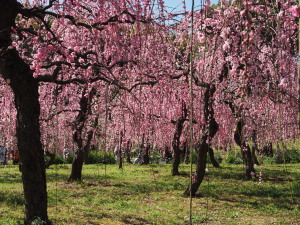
pixel 78 125
pixel 254 148
pixel 245 148
pixel 211 128
pixel 176 140
pixel 212 158
pixel 19 76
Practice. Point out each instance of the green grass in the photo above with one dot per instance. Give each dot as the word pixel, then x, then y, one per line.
pixel 149 195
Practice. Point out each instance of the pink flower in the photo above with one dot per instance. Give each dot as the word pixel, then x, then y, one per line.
pixel 295 11
pixel 200 63
pixel 283 82
pixel 226 46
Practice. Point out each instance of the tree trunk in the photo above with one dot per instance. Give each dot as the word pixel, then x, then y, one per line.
pixel 176 162
pixel 187 154
pixel 120 150
pixel 19 76
pixel 245 149
pixel 209 131
pixel 128 149
pixel 202 149
pixel 176 140
pixel 78 125
pixel 212 158
pixel 52 158
pixel 254 148
pixel 146 157
pixel 77 164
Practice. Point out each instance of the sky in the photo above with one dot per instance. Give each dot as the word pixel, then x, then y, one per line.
pixel 178 4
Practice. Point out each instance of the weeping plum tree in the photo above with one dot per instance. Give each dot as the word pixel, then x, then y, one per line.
pixel 56 42
pixel 19 77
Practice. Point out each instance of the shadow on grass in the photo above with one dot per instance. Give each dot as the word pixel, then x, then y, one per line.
pixel 11 199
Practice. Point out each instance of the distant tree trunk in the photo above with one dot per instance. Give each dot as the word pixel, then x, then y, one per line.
pixel 186 153
pixel 167 154
pixel 239 140
pixel 78 125
pixel 209 131
pixel 128 150
pixel 245 148
pixel 120 150
pixel 19 77
pixel 212 158
pixel 52 158
pixel 176 140
pixel 254 147
pixel 146 157
pixel 87 146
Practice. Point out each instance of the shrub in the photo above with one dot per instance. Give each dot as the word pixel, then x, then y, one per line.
pixel 101 157
pixel 289 156
pixel 218 157
pixel 58 160
pixel 155 157
pixel 69 160
pixel 234 158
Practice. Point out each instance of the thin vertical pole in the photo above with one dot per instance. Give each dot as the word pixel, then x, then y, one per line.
pixel 298 61
pixel 191 109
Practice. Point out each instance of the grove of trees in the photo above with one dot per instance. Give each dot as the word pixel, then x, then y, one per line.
pixel 105 73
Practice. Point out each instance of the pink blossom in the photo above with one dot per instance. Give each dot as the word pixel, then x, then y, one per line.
pixel 200 63
pixel 226 46
pixel 295 11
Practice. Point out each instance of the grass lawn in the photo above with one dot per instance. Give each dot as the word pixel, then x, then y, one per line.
pixel 149 195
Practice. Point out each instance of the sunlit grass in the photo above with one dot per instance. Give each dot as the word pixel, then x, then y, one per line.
pixel 149 195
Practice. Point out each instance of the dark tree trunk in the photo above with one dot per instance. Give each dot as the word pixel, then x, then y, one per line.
pixel 87 146
pixel 254 148
pixel 186 153
pixel 245 149
pixel 211 128
pixel 78 125
pixel 120 151
pixel 176 161
pixel 19 76
pixel 128 150
pixel 176 140
pixel 77 164
pixel 202 149
pixel 167 154
pixel 146 157
pixel 52 158
pixel 212 158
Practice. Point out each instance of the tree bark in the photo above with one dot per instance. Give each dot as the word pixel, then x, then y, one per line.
pixel 120 150
pixel 52 158
pixel 128 149
pixel 254 148
pixel 245 149
pixel 146 157
pixel 20 78
pixel 186 153
pixel 212 158
pixel 176 140
pixel 209 131
pixel 78 125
